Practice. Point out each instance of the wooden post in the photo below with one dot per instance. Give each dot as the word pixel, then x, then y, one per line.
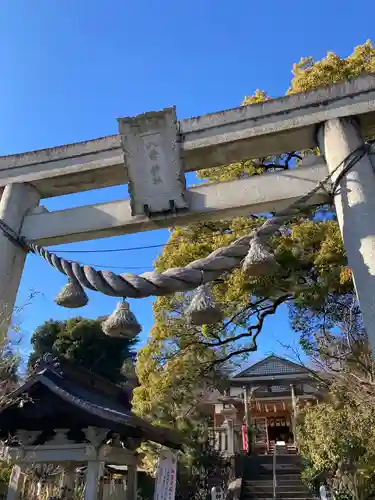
pixel 294 410
pixel 247 420
pixel 132 484
pixel 355 208
pixel 15 483
pixel 68 482
pixel 16 201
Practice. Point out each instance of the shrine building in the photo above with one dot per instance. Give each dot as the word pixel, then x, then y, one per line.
pixel 275 389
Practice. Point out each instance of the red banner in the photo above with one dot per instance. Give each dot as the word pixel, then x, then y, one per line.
pixel 244 438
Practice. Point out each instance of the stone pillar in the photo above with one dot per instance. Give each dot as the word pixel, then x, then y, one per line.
pixel 93 474
pixel 16 201
pixel 355 208
pixel 230 433
pixel 15 483
pixel 217 440
pixel 131 483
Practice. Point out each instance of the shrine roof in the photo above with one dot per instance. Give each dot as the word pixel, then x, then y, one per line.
pixel 274 367
pixel 58 381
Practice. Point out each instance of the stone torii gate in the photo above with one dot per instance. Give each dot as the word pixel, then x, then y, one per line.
pixel 154 150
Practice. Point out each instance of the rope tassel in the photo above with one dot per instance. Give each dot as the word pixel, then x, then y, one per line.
pixel 72 296
pixel 121 323
pixel 202 309
pixel 259 261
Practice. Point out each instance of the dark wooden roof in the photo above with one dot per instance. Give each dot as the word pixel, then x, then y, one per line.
pixel 272 366
pixel 61 395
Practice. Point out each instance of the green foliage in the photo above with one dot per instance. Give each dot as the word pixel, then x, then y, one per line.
pixel 331 435
pixel 336 340
pixel 328 434
pixel 83 341
pixel 199 471
pixel 9 365
pixel 9 368
pixel 5 473
pixel 309 74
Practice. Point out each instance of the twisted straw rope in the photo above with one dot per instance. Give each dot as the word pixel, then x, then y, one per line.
pixel 179 279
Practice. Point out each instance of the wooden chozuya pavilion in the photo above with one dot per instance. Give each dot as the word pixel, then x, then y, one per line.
pixel 67 416
pixel 273 390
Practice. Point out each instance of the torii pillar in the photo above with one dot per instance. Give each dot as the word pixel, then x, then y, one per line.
pixel 16 201
pixel 355 208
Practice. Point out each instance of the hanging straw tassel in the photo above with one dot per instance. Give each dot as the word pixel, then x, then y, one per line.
pixel 202 309
pixel 72 296
pixel 121 323
pixel 259 261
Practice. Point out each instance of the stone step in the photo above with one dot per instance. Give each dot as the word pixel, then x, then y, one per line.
pixel 287 491
pixel 281 465
pixel 253 487
pixel 269 477
pixel 294 494
pixel 260 482
pixel 280 469
pixel 282 486
pixel 289 480
pixel 255 496
pixel 288 477
pixel 295 487
pixel 258 477
pixel 292 485
pixel 281 478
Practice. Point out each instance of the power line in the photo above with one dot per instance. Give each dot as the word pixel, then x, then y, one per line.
pixel 145 247
pixel 139 268
pixel 111 250
pixel 130 268
pixel 127 249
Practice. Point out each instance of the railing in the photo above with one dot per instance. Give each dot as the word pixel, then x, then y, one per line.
pixel 274 482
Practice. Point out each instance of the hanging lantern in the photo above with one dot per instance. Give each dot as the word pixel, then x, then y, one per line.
pixel 202 309
pixel 72 296
pixel 121 323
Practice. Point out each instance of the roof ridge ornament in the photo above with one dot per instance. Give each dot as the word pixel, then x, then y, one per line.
pixel 48 362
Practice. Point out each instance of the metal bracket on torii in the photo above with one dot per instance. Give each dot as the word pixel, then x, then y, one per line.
pixel 152 153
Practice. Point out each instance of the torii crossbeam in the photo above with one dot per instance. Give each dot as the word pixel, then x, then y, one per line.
pixel 154 150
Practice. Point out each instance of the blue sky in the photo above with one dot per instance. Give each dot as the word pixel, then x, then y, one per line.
pixel 70 68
